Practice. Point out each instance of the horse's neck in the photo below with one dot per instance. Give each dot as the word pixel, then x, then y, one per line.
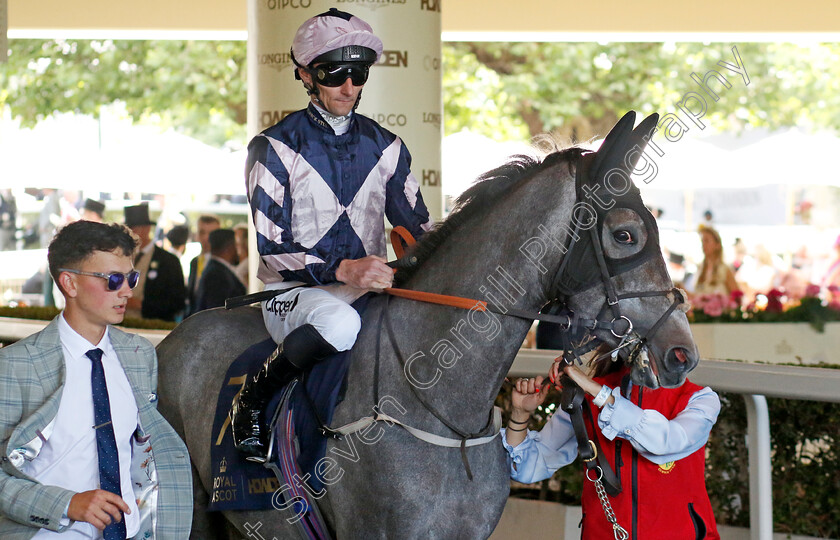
pixel 462 356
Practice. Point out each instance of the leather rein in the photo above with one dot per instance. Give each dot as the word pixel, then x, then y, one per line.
pixel 572 396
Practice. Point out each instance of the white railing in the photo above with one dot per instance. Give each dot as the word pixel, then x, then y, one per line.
pixel 755 382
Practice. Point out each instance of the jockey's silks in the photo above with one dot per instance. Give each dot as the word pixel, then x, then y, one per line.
pixel 656 501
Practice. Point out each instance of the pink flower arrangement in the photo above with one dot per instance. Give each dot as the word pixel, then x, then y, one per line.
pixel 812 290
pixel 714 305
pixel 774 301
pixel 774 306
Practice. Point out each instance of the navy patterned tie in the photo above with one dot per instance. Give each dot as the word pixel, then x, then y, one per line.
pixel 106 443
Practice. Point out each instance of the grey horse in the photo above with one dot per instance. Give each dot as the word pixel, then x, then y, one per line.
pixel 504 243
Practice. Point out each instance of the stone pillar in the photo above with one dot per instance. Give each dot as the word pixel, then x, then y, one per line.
pixel 4 26
pixel 403 92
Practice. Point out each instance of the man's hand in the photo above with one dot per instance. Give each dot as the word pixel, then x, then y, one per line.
pixel 370 272
pixel 98 507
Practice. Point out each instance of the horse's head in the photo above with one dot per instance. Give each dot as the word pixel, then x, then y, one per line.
pixel 614 271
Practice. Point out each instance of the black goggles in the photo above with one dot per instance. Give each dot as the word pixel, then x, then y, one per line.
pixel 334 75
pixel 115 279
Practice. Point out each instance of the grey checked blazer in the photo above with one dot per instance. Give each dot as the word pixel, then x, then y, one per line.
pixel 31 381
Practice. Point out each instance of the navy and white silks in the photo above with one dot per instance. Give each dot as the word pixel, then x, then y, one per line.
pixel 318 198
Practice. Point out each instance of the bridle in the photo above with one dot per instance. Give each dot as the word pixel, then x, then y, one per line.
pixel 566 284
pixel 572 327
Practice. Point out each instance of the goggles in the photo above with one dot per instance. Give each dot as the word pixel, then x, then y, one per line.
pixel 334 75
pixel 115 279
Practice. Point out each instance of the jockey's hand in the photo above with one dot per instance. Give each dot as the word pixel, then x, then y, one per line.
pixel 370 272
pixel 98 507
pixel 527 395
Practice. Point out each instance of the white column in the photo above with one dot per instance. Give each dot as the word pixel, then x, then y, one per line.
pixel 4 26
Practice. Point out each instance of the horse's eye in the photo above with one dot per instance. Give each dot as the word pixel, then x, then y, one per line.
pixel 624 237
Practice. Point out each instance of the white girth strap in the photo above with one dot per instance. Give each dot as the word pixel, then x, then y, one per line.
pixel 437 440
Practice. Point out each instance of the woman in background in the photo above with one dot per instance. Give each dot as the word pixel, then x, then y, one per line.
pixel 714 276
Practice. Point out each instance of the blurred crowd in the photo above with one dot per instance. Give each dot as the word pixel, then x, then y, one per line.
pixel 175 281
pixel 743 271
pixel 176 254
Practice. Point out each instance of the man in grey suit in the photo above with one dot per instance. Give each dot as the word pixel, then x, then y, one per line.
pixel 83 451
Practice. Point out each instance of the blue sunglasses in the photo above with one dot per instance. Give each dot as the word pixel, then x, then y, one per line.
pixel 115 279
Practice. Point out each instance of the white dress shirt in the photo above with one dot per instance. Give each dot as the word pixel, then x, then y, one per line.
pixel 69 458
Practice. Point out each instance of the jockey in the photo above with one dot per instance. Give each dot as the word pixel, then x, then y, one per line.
pixel 319 183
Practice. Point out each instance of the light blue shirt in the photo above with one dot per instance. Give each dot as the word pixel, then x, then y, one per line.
pixel 655 437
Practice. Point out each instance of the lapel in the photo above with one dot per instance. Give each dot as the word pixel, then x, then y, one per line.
pixel 134 365
pixel 47 359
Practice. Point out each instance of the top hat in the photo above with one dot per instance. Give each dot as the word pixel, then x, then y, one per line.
pixel 138 215
pixel 94 206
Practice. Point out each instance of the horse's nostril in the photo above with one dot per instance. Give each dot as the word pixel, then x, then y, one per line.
pixel 679 360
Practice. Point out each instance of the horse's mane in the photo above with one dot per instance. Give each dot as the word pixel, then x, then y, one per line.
pixel 489 188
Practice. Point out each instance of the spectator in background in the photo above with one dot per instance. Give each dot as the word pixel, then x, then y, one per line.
pixel 740 254
pixel 714 275
pixel 160 293
pixel 48 220
pixel 177 237
pixel 206 225
pixel 8 220
pixel 676 268
pixel 219 281
pixel 241 232
pixel 69 204
pixel 794 281
pixel 759 272
pixel 832 277
pixel 93 211
pixel 708 219
pixel 50 216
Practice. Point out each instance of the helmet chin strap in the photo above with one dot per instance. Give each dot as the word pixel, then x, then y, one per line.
pixel 313 92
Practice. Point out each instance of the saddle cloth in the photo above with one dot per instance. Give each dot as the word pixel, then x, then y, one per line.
pixel 238 484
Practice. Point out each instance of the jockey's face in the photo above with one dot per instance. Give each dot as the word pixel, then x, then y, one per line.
pixel 337 100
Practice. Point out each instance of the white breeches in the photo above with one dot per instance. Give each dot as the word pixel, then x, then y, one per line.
pixel 334 319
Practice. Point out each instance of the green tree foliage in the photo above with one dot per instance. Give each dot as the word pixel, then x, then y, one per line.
pixel 504 90
pixel 578 90
pixel 197 86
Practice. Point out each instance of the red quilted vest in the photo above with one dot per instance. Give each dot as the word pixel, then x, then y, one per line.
pixel 656 501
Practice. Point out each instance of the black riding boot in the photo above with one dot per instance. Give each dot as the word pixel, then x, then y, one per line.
pixel 302 348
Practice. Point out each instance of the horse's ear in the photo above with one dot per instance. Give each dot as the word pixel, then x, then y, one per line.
pixel 639 139
pixel 611 153
pixel 624 145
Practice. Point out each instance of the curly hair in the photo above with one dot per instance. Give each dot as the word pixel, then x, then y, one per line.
pixel 77 241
